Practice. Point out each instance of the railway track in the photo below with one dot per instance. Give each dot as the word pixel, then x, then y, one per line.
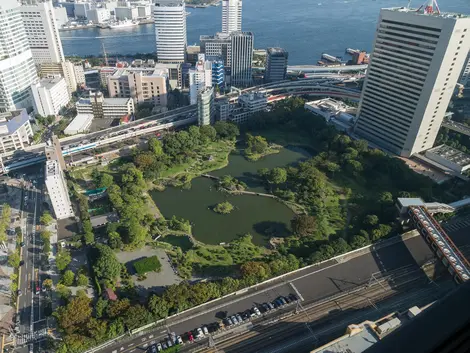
pixel 312 316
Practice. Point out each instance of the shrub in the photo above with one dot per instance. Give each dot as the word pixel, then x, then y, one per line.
pixel 147 264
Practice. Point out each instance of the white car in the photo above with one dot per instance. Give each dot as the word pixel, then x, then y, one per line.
pixel 256 310
pixel 159 347
pixel 205 330
pixel 179 340
pixel 199 333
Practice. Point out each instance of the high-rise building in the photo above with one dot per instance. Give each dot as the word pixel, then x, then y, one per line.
pixel 101 107
pixel 205 106
pixel 15 131
pixel 17 70
pixel 465 75
pixel 231 16
pixel 42 31
pixel 218 73
pixel 242 57
pixel 417 58
pixel 219 45
pixel 199 78
pixel 276 65
pixel 170 30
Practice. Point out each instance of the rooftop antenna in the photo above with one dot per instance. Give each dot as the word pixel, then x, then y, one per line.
pixel 428 7
pixel 104 55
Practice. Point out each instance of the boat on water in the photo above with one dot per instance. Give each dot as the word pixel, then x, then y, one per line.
pixel 123 24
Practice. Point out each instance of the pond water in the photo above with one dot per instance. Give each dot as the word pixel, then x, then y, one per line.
pixel 260 216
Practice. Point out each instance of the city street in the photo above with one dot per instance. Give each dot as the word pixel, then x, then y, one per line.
pixel 29 304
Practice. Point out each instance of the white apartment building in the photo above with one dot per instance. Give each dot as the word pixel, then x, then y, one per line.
pixel 417 58
pixel 15 131
pixel 50 95
pixel 200 78
pixel 79 73
pixel 99 15
pixel 57 189
pixel 205 106
pixel 101 107
pixel 17 70
pixel 231 16
pixel 65 69
pixel 242 57
pixel 170 30
pixel 61 18
pixel 42 31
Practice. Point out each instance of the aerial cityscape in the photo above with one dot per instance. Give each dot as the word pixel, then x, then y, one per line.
pixel 234 176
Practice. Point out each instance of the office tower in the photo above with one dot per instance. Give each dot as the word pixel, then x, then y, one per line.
pixel 205 106
pixel 43 35
pixel 218 73
pixel 276 65
pixel 231 16
pixel 219 45
pixel 417 58
pixel 17 70
pixel 170 30
pixel 242 57
pixel 465 75
pixel 199 78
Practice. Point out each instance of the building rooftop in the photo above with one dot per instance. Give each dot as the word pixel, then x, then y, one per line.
pixel 52 168
pixel 431 10
pixel 106 101
pixel 145 71
pixel 453 155
pixel 49 83
pixel 78 123
pixel 277 51
pixel 12 121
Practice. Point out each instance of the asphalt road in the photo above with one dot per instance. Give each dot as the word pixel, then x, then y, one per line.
pixel 30 310
pixel 312 284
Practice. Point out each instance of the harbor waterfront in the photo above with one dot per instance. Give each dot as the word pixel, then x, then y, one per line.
pixel 329 26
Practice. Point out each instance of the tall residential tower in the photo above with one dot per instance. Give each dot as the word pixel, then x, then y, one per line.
pixel 170 30
pixel 17 70
pixel 231 16
pixel 43 35
pixel 242 57
pixel 417 58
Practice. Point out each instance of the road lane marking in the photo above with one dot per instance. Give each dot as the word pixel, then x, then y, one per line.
pixel 296 291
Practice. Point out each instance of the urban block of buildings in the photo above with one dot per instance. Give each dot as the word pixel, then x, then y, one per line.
pixel 409 82
pixel 15 131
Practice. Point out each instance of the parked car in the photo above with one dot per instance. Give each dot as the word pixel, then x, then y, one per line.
pixel 293 297
pixel 190 336
pixel 159 347
pixel 234 319
pixel 199 333
pixel 179 340
pixel 164 346
pixel 239 318
pixel 154 349
pixel 256 311
pixel 229 322
pixel 205 330
pixel 271 306
pixel 265 307
pixel 168 342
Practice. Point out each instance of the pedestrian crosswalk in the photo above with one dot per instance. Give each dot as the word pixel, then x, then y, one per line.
pixel 29 337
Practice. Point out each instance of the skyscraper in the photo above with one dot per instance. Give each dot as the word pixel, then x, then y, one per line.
pixel 41 29
pixel 199 78
pixel 205 106
pixel 17 70
pixel 170 30
pixel 276 65
pixel 242 57
pixel 231 16
pixel 417 58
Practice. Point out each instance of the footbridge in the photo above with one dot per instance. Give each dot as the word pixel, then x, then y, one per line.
pixel 458 127
pixel 420 214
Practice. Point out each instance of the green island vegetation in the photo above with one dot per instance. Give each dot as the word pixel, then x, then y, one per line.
pixel 257 147
pixel 223 208
pixel 346 192
pixel 229 183
pixel 147 264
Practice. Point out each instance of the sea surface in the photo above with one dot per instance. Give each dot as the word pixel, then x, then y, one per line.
pixel 306 28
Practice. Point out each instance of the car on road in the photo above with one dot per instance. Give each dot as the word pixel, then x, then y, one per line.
pixel 22 244
pixel 19 292
pixel 199 333
pixel 228 321
pixel 293 297
pixel 21 263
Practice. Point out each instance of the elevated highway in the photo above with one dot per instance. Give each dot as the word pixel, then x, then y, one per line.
pixel 324 69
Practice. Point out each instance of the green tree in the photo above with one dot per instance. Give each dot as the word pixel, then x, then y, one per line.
pixel 158 307
pixel 304 225
pixel 45 235
pixel 208 134
pixel 63 259
pixel 118 307
pixel 100 307
pixel 114 240
pixel 263 172
pixel 255 270
pixel 46 218
pixel 223 207
pixel 105 265
pixel 358 241
pixel 14 260
pixel 226 130
pixel 277 176
pixel 46 246
pixel 145 160
pixel 47 283
pixel 88 238
pixel 82 280
pixel 155 146
pixel 63 291
pixel 73 316
pixel 67 278
pixel 371 220
pixel 105 180
pixel 255 144
pixel 136 316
